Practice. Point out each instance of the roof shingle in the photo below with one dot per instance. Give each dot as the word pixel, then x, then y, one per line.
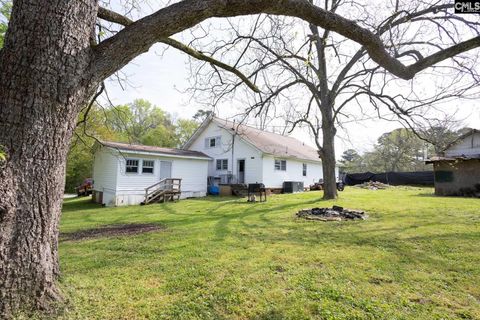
pixel 271 143
pixel 152 149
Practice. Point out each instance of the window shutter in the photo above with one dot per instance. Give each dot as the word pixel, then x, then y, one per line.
pixel 217 141
pixel 207 143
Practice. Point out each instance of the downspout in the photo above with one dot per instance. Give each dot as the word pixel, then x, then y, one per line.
pixel 233 147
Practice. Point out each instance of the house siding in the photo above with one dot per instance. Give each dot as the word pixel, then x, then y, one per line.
pixel 468 146
pixel 104 174
pixel 274 178
pixel 129 188
pixel 232 149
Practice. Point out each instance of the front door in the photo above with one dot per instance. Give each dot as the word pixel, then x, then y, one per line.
pixel 241 171
pixel 165 169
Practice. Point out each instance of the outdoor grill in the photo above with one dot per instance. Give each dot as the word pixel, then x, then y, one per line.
pixel 257 188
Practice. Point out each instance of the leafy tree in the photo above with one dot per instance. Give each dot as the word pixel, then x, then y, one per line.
pixel 3 156
pixel 351 161
pixel 398 150
pixel 201 114
pixel 185 129
pixel 52 66
pixel 143 123
pixel 138 122
pixel 80 157
pixel 5 10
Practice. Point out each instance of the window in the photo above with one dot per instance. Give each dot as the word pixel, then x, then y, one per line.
pixel 222 164
pixel 147 166
pixel 280 165
pixel 443 176
pixel 304 171
pixel 132 166
pixel 212 142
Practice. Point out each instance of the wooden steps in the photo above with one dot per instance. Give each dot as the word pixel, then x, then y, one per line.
pixel 239 190
pixel 168 189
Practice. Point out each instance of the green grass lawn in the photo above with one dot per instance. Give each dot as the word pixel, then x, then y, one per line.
pixel 417 257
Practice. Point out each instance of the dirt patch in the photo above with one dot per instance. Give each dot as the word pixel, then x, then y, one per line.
pixel 114 230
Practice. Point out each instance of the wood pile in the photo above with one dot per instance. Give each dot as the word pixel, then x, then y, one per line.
pixel 334 213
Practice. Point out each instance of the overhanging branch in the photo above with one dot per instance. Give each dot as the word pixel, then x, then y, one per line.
pixel 115 52
pixel 115 17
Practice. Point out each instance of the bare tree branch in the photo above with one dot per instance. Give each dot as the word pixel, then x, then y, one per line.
pixel 115 52
pixel 112 16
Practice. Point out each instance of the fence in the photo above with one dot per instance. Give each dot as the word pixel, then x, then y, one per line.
pixel 392 178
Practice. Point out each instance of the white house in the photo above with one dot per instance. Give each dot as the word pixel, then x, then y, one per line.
pixel 243 154
pixel 122 171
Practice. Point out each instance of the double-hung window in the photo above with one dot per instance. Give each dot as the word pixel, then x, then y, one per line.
pixel 212 142
pixel 148 166
pixel 131 166
pixel 304 169
pixel 222 164
pixel 280 165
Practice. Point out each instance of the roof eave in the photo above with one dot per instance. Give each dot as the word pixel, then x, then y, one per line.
pixel 292 157
pixel 156 153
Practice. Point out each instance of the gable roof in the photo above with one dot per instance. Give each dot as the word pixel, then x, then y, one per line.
pixel 267 142
pixel 172 152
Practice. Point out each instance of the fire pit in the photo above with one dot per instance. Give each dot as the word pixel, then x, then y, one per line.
pixel 334 213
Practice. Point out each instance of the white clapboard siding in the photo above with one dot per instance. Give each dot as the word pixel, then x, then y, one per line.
pixel 274 178
pixel 232 151
pixel 470 145
pixel 125 188
pixel 105 170
pixel 194 176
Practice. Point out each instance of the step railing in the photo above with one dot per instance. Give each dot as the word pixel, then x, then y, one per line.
pixel 167 186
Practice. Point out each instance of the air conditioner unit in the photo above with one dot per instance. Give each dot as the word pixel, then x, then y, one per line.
pixel 292 186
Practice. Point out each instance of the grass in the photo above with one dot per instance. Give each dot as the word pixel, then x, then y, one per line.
pixel 417 257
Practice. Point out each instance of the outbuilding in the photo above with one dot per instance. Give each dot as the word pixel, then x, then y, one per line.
pixel 123 171
pixel 457 171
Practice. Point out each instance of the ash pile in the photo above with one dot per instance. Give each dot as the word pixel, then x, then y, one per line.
pixel 334 213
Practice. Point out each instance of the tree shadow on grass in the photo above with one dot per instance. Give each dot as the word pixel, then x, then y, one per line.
pixel 260 209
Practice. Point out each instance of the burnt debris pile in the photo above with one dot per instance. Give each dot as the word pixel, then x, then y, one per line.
pixel 334 213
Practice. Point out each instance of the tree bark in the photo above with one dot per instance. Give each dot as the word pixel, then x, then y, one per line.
pixel 42 71
pixel 49 67
pixel 328 155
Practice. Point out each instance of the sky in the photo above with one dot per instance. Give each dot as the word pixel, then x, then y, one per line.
pixel 161 77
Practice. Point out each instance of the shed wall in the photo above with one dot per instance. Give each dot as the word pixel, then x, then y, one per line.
pixel 456 178
pixel 105 174
pixel 123 188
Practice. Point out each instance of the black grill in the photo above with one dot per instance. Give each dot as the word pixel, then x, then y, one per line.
pixel 255 187
pixel 259 188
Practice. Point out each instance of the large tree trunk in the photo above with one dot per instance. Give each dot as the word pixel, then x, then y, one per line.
pixel 328 156
pixel 44 82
